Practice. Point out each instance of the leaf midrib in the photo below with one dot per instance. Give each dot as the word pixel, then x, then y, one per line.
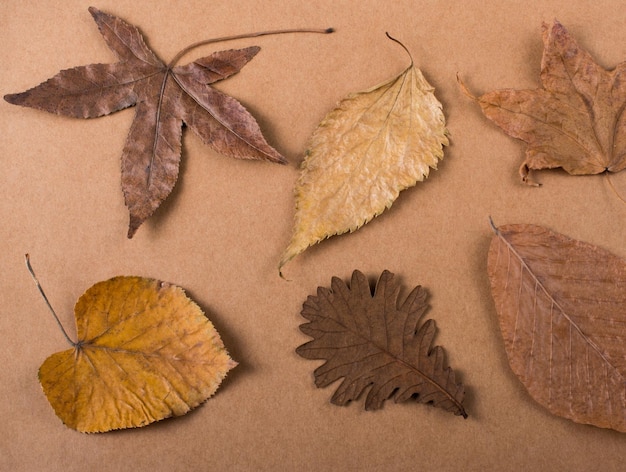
pixel 573 324
pixel 399 360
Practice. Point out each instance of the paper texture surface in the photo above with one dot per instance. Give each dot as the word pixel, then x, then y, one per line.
pixel 221 232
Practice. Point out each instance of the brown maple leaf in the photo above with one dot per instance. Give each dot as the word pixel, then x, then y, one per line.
pixel 561 305
pixel 165 96
pixel 575 121
pixel 375 341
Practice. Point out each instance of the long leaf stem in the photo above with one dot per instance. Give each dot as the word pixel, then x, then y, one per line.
pixel 32 273
pixel 403 46
pixel 493 226
pixel 246 35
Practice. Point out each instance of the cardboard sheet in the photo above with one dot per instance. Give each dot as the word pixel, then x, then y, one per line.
pixel 221 232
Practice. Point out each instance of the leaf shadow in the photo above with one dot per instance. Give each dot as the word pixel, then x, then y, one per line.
pixel 161 214
pixel 533 53
pixel 268 129
pixel 155 222
pixel 231 378
pixel 155 427
pixel 231 344
pixel 490 321
pixel 158 426
pixel 493 325
pixel 469 397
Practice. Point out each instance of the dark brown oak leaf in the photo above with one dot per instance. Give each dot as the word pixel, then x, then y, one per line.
pixel 166 97
pixel 561 306
pixel 376 341
pixel 575 121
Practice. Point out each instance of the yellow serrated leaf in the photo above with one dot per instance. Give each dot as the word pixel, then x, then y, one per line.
pixel 363 153
pixel 145 352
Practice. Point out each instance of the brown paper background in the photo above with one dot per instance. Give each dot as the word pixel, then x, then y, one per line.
pixel 221 232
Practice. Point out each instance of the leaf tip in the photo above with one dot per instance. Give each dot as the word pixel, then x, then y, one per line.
pixel 292 250
pixel 281 160
pixel 280 273
pixel 555 26
pixel 94 11
pixel 524 172
pixel 133 226
pixel 268 153
pixel 493 226
pixel 230 365
pixel 12 98
pixel 464 88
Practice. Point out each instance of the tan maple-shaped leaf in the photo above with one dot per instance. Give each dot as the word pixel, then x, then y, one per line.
pixel 362 154
pixel 165 96
pixel 561 305
pixel 376 342
pixel 145 352
pixel 575 121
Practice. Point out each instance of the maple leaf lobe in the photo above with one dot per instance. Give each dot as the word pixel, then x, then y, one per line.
pixel 124 39
pixel 218 66
pixel 376 343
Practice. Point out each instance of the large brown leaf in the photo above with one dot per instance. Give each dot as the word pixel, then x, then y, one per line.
pixel 576 120
pixel 376 341
pixel 165 97
pixel 562 310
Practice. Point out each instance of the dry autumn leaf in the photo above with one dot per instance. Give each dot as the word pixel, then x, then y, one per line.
pixel 145 352
pixel 376 341
pixel 363 153
pixel 561 304
pixel 576 120
pixel 165 96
